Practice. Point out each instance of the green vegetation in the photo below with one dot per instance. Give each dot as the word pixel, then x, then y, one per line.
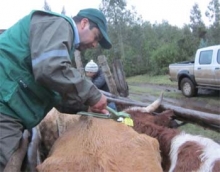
pixel 153 92
pixel 159 79
pixel 197 130
pixel 145 47
pixel 163 80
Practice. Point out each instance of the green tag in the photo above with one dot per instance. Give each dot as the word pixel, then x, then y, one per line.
pixel 128 121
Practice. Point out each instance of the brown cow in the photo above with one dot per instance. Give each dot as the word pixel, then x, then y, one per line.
pixel 181 151
pixel 95 144
pixel 52 127
pixel 106 132
pixel 56 123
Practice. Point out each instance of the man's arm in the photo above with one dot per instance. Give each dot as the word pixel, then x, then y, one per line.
pixel 50 43
pixel 99 80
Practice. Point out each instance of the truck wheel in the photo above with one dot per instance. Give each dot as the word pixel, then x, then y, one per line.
pixel 188 88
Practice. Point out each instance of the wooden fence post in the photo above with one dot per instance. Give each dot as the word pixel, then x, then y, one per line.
pixel 120 78
pixel 108 76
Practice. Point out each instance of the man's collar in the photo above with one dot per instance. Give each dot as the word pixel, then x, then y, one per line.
pixel 76 33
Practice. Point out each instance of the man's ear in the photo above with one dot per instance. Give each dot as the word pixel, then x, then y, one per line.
pixel 84 22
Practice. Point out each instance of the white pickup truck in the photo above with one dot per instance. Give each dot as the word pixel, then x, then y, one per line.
pixel 203 72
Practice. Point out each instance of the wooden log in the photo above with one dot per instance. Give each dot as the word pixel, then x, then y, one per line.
pixel 203 119
pixel 107 73
pixel 109 95
pixel 123 100
pixel 120 78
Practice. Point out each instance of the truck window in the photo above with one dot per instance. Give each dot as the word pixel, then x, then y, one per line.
pixel 205 57
pixel 218 57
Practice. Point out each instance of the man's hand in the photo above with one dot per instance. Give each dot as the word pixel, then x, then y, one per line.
pixel 100 106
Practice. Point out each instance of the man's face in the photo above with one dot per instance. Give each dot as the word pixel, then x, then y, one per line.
pixel 88 38
pixel 90 74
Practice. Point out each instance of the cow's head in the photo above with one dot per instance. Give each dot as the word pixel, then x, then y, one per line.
pixel 148 114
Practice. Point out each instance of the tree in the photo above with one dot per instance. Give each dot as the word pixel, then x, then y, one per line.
pixel 186 45
pixel 120 18
pixel 114 11
pixel 196 23
pixel 46 6
pixel 63 11
pixel 213 13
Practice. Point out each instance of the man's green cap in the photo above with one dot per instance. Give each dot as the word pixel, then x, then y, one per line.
pixel 98 18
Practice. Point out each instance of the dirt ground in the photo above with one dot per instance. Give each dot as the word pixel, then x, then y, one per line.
pixel 206 100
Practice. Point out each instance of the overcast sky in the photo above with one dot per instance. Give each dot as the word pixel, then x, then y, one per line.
pixel 176 12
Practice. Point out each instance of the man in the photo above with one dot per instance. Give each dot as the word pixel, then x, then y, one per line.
pixel 96 75
pixel 36 70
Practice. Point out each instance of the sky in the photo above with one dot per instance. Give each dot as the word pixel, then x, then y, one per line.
pixel 176 12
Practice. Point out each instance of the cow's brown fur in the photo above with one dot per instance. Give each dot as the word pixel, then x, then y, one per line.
pixel 216 167
pixel 164 137
pixel 52 127
pixel 189 153
pixel 56 123
pixel 162 119
pixel 188 158
pixel 94 144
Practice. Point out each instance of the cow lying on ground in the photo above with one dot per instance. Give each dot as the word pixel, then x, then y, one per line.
pixel 181 151
pixel 95 144
pixel 56 123
pixel 187 159
pixel 103 144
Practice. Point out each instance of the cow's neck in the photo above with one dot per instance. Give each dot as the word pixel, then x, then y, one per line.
pixel 164 136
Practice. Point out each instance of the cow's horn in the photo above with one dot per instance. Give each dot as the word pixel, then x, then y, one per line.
pixel 150 108
pixel 153 106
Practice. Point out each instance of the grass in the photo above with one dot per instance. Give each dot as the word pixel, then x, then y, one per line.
pixel 152 91
pixel 160 79
pixel 164 81
pixel 146 79
pixel 197 130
